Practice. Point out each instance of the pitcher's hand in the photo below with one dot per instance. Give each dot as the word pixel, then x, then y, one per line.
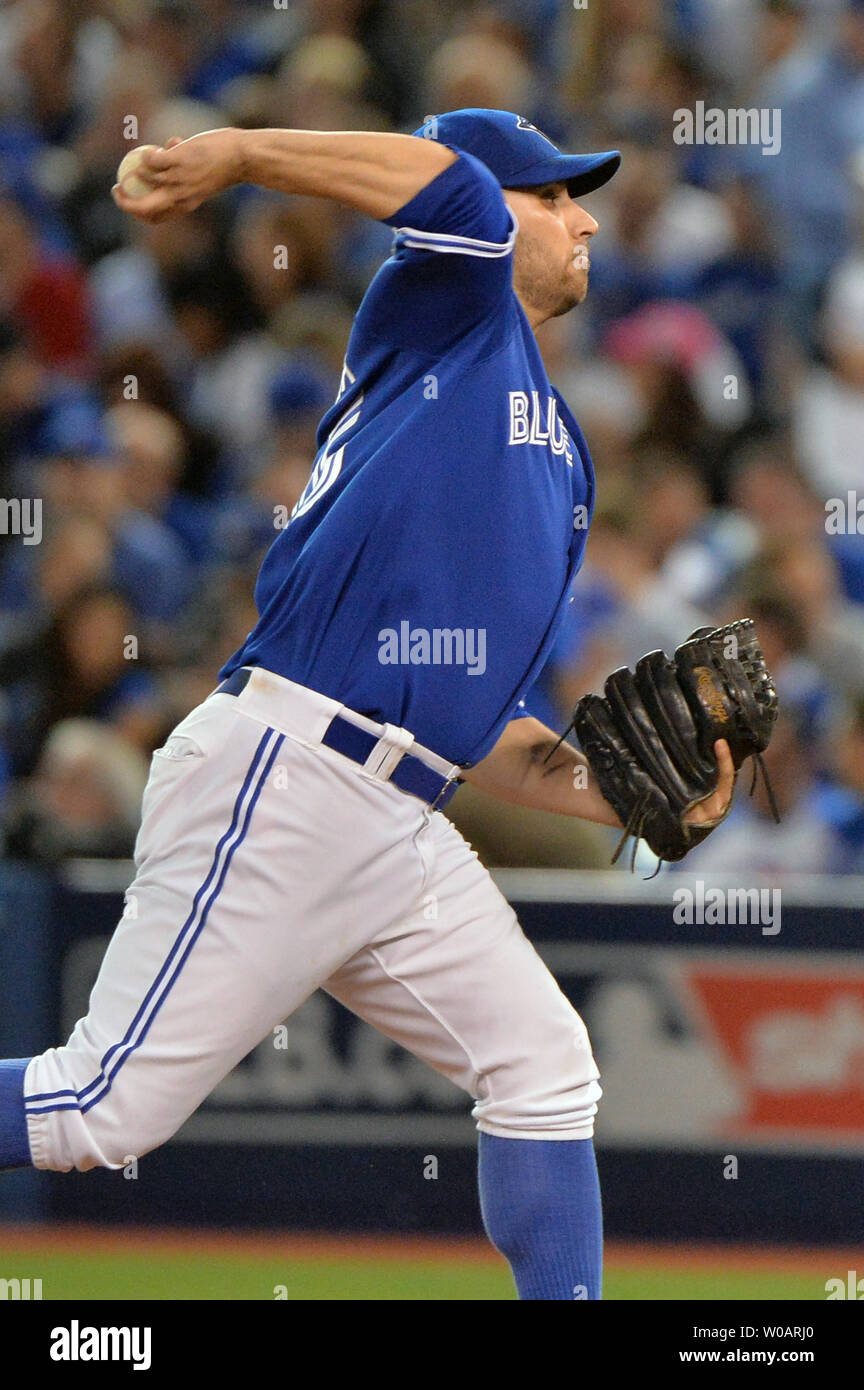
pixel 185 173
pixel 714 807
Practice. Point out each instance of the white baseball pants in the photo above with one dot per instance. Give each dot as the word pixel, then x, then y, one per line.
pixel 269 866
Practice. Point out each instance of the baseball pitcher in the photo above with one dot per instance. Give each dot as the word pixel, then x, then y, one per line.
pixel 292 836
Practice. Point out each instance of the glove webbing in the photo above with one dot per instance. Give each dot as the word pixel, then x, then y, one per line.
pixel 759 766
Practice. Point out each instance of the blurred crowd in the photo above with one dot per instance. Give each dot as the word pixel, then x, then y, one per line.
pixel 160 386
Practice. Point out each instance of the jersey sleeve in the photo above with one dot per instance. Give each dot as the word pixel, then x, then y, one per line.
pixel 451 264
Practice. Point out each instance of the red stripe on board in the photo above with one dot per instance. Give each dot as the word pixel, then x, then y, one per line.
pixel 105 1240
pixel 777 1259
pixel 84 1240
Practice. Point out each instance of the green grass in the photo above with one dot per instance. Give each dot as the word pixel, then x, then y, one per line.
pixel 661 1285
pixel 237 1277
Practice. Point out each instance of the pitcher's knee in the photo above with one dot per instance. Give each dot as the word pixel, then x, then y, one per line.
pixel 105 1137
pixel 99 1123
pixel 547 1089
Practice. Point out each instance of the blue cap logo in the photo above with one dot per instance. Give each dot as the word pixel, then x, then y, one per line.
pixel 526 125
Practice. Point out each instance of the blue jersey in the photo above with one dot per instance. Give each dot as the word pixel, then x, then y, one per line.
pixel 424 571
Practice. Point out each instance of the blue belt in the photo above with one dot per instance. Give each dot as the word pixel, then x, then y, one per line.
pixel 409 775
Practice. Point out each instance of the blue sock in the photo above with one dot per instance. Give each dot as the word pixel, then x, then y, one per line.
pixel 14 1144
pixel 540 1200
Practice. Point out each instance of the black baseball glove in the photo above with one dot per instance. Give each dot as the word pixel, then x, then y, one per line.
pixel 650 741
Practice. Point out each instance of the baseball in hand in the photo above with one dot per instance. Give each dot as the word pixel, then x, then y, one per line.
pixel 131 182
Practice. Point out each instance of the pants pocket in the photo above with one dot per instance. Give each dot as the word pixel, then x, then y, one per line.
pixel 179 748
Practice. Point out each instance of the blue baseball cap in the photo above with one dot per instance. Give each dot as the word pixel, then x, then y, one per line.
pixel 517 153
